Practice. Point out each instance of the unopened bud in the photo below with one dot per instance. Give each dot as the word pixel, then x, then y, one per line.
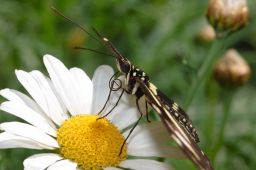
pixel 227 16
pixel 232 69
pixel 206 34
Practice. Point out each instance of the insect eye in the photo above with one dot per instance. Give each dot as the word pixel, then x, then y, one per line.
pixel 124 66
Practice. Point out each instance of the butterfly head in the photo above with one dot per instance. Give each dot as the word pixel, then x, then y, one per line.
pixel 123 65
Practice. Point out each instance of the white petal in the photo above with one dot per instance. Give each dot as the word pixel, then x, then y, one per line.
pixel 112 168
pixel 54 107
pixel 8 140
pixel 38 87
pixel 84 90
pixel 66 84
pixel 126 113
pixel 62 81
pixel 144 164
pixel 101 89
pixel 61 104
pixel 29 115
pixel 18 97
pixel 63 165
pixel 30 132
pixel 151 139
pixel 41 161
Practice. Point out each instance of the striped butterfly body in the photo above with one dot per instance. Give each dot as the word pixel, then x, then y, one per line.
pixel 136 78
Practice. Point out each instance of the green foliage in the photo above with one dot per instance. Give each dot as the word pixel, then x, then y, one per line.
pixel 160 37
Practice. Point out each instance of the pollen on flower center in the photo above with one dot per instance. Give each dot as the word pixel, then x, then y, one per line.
pixel 93 144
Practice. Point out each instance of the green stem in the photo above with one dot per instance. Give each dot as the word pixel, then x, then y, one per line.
pixel 219 138
pixel 205 71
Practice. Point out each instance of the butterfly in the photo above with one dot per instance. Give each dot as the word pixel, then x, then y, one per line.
pixel 172 115
pixel 176 121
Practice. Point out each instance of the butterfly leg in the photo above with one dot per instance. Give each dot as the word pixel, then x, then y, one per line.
pixel 119 98
pixel 141 114
pixel 147 115
pixel 112 81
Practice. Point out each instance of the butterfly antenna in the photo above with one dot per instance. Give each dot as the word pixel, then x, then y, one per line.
pixel 89 49
pixel 74 23
pixel 108 44
pixel 103 41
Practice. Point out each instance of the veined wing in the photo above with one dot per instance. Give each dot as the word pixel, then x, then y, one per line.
pixel 177 112
pixel 177 132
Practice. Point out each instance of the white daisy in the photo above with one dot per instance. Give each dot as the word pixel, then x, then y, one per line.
pixel 61 117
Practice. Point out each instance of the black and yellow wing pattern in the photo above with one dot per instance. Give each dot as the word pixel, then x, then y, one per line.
pixel 170 114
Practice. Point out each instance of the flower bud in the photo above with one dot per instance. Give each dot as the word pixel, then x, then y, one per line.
pixel 232 69
pixel 227 16
pixel 206 34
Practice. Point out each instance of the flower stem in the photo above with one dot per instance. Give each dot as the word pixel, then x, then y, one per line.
pixel 219 138
pixel 205 71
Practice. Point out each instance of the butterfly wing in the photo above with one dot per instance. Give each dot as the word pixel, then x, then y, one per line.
pixel 178 113
pixel 176 130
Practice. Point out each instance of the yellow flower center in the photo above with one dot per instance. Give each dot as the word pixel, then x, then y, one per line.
pixel 93 144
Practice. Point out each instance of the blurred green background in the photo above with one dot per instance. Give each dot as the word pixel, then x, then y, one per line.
pixel 160 37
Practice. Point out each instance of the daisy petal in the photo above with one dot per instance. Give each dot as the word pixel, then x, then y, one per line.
pixel 18 97
pixel 61 104
pixel 8 140
pixel 30 132
pixel 40 161
pixel 84 90
pixel 126 113
pixel 62 81
pixel 151 139
pixel 55 107
pixel 112 168
pixel 101 89
pixel 38 87
pixel 63 165
pixel 66 84
pixel 144 164
pixel 29 115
